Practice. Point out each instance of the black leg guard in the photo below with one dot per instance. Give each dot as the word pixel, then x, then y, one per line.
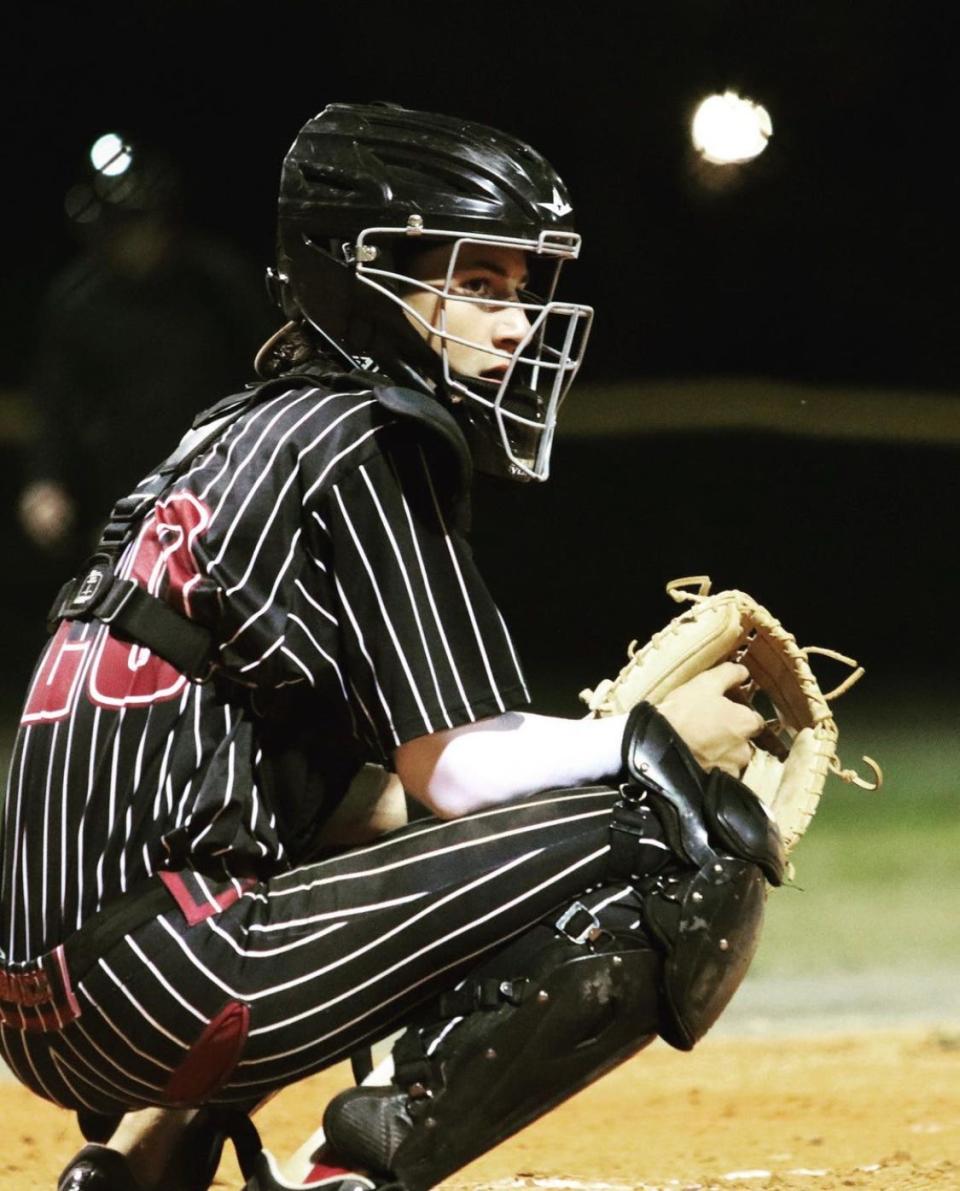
pixel 567 1001
pixel 707 920
pixel 709 923
pixel 582 997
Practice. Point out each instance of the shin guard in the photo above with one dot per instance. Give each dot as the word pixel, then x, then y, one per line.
pixel 500 1053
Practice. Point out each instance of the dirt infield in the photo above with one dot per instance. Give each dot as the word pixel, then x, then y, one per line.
pixel 878 1110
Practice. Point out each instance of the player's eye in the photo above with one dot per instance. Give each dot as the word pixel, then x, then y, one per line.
pixel 480 286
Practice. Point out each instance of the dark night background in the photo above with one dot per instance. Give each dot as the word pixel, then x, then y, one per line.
pixel 830 260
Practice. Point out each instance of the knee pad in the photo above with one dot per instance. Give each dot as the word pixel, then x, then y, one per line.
pixel 708 923
pixel 588 1000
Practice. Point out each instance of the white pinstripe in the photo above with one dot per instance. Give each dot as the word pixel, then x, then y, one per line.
pixel 64 817
pixel 361 644
pixel 339 457
pixel 308 674
pixel 463 588
pixel 88 802
pixel 458 962
pixel 263 657
pixel 46 830
pixel 161 777
pixel 138 760
pixel 302 625
pixel 11 948
pixel 414 861
pixel 406 582
pixel 110 1059
pixel 263 471
pixel 284 489
pixel 25 1042
pixel 267 952
pixel 373 738
pixel 432 827
pixel 152 968
pixel 240 430
pixel 513 654
pixel 433 607
pixel 271 598
pixel 385 615
pixel 102 963
pixel 313 604
pixel 341 960
pixel 95 1080
pixel 231 764
pixel 60 1064
pixel 326 915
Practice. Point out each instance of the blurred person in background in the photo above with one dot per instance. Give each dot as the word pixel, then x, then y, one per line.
pixel 141 330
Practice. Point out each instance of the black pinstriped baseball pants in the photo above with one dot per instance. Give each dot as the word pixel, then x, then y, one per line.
pixel 304 968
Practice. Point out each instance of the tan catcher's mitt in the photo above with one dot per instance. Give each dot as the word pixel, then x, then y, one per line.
pixel 798 747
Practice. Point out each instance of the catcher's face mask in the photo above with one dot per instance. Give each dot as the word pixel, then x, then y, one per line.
pixel 486 306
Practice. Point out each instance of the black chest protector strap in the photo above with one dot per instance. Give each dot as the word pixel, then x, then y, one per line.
pixel 97 592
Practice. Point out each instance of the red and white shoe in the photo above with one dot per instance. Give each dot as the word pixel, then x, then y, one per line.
pixel 266 1176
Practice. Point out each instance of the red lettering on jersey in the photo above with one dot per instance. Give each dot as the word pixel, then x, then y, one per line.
pixel 124 674
pixel 54 689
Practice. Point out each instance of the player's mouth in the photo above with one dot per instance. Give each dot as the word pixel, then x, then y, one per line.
pixel 497 372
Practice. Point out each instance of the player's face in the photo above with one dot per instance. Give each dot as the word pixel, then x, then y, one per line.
pixel 492 273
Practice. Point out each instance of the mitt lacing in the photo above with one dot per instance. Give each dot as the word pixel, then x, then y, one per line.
pixel 694 589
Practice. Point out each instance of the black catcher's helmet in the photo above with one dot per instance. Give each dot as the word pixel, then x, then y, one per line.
pixel 364 188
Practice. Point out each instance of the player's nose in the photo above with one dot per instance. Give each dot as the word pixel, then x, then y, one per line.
pixel 510 328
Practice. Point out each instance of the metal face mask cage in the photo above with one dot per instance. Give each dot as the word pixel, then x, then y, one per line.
pixel 525 402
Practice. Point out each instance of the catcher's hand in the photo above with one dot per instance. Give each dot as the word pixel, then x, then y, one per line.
pixel 715 728
pixel 795 745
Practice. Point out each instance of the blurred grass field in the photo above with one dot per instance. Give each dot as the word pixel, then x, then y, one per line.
pixel 868 932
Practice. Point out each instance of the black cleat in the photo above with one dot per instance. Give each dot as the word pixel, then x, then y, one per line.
pixel 191 1168
pixel 95 1168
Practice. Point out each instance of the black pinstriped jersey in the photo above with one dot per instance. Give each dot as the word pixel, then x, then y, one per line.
pixel 314 538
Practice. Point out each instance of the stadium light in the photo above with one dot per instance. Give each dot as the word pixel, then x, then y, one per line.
pixel 729 130
pixel 110 156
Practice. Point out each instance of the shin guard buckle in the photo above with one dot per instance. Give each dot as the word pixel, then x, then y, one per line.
pixel 578 924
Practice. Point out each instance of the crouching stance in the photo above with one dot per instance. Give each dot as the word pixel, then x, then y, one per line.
pixel 291 598
pixel 657 949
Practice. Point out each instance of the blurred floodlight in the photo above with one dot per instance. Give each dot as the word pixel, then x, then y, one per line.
pixel 109 155
pixel 728 129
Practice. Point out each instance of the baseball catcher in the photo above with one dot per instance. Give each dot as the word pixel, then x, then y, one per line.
pixel 290 597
